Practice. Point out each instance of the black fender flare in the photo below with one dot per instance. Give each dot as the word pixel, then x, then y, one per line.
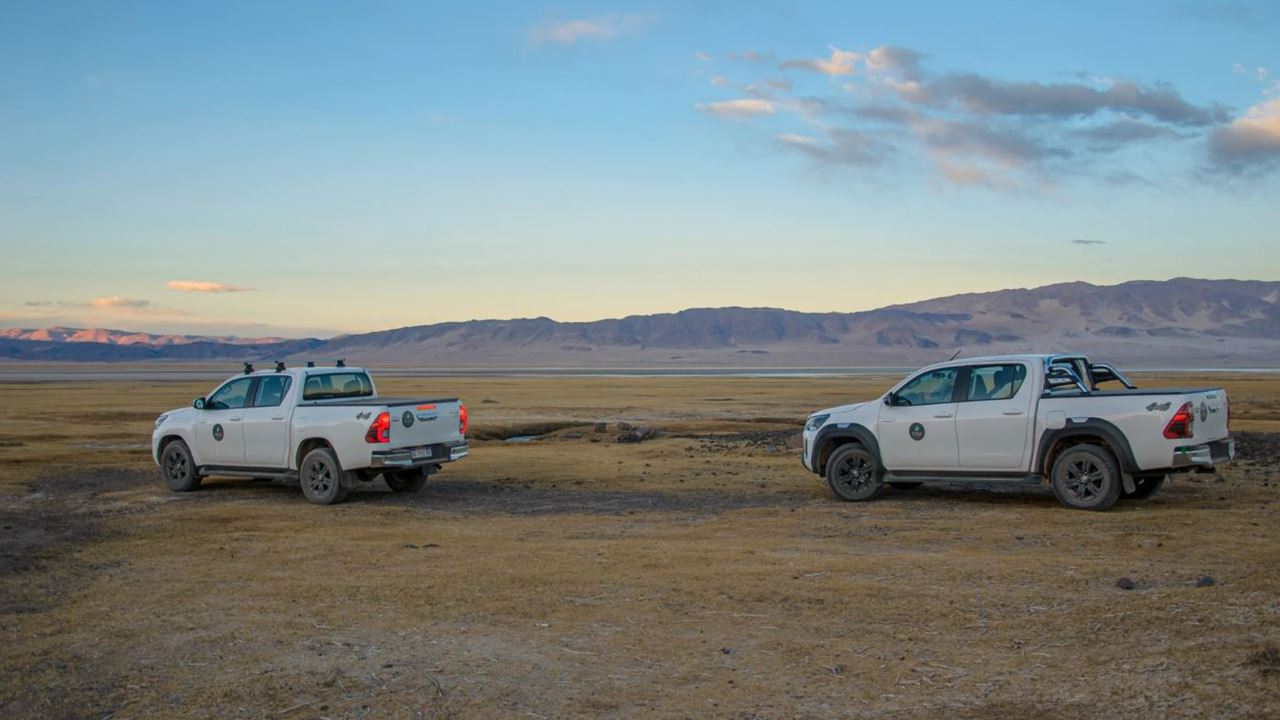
pixel 1089 427
pixel 843 431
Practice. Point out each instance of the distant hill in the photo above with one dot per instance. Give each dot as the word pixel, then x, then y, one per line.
pixel 1172 323
pixel 106 336
pixel 1182 322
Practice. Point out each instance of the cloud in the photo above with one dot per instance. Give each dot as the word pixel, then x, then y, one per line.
pixel 1082 241
pixel 840 63
pixel 1250 143
pixel 719 80
pixel 115 301
pixel 840 147
pixel 204 286
pixel 569 32
pixel 1118 133
pixel 738 109
pixel 976 129
pixel 982 95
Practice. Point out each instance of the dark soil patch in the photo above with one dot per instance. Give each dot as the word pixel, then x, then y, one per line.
pixel 59 513
pixel 1262 447
pixel 479 497
pixel 771 441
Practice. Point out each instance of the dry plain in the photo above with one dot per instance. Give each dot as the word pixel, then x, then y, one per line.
pixel 703 573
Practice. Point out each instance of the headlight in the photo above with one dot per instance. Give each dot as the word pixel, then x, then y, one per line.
pixel 160 420
pixel 815 422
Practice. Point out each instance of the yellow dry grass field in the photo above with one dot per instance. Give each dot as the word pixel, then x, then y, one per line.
pixel 702 573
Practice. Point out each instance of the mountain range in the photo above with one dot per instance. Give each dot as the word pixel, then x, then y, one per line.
pixel 1181 322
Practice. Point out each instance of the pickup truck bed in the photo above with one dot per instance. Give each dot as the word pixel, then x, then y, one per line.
pixel 369 401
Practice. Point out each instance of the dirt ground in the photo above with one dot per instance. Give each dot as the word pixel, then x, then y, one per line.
pixel 700 572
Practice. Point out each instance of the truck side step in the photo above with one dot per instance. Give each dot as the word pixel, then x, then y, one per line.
pixel 963 477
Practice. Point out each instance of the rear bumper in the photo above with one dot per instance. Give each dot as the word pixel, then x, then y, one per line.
pixel 412 457
pixel 1206 455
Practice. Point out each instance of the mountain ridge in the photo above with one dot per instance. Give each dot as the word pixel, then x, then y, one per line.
pixel 1177 322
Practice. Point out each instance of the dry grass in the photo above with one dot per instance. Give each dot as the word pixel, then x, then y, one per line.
pixel 565 577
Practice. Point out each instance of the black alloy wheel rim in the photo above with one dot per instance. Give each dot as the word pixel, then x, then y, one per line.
pixel 855 473
pixel 1085 479
pixel 176 465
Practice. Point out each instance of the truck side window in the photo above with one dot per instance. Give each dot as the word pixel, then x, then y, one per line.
pixel 230 396
pixel 931 388
pixel 271 390
pixel 995 382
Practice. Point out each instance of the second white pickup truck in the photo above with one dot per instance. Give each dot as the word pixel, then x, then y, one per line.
pixel 1020 418
pixel 325 427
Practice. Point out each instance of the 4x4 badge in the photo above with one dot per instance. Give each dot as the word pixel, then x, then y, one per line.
pixel 917 431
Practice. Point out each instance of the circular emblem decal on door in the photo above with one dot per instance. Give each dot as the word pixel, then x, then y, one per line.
pixel 917 431
pixel 407 419
pixel 217 433
pixel 1204 411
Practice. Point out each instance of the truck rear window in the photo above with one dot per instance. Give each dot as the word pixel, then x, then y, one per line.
pixel 337 385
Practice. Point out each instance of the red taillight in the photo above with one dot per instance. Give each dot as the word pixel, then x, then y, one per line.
pixel 1181 425
pixel 462 418
pixel 380 430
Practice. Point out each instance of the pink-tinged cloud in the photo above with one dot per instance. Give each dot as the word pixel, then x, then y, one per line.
pixel 840 63
pixel 1249 142
pixel 568 32
pixel 115 301
pixel 741 108
pixel 204 286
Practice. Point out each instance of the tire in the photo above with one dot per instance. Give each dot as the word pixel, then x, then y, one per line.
pixel 905 485
pixel 322 478
pixel 178 468
pixel 1144 487
pixel 406 480
pixel 1086 477
pixel 854 474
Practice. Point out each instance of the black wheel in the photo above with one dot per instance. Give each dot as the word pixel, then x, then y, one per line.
pixel 854 474
pixel 322 477
pixel 1086 477
pixel 905 485
pixel 178 468
pixel 406 480
pixel 1144 487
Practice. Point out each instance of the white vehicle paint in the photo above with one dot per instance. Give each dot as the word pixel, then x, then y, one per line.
pixel 1020 418
pixel 326 427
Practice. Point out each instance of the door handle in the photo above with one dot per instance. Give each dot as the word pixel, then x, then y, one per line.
pixel 886 420
pixel 943 415
pixel 235 419
pixel 1012 412
pixel 277 417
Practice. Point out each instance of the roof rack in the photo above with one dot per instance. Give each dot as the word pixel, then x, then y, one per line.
pixel 279 366
pixel 341 363
pixel 311 363
pixel 248 368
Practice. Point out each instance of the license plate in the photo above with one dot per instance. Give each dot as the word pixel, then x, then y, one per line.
pixel 421 453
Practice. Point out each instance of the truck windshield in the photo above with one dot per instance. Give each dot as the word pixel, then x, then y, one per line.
pixel 337 385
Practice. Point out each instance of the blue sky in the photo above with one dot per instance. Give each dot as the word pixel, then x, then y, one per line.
pixel 296 168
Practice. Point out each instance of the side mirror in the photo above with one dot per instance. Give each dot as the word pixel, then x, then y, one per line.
pixel 198 404
pixel 891 399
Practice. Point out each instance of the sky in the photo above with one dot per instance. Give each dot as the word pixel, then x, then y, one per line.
pixel 313 168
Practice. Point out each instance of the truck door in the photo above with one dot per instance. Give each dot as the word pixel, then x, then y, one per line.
pixel 993 417
pixel 266 423
pixel 917 425
pixel 220 429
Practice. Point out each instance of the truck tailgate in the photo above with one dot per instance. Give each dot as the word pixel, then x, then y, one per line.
pixel 1209 407
pixel 416 423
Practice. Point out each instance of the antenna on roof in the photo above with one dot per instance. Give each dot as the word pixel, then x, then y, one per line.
pixel 311 363
pixel 248 368
pixel 953 357
pixel 341 362
pixel 279 366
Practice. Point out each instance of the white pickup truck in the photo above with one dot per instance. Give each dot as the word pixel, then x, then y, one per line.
pixel 1020 418
pixel 325 427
